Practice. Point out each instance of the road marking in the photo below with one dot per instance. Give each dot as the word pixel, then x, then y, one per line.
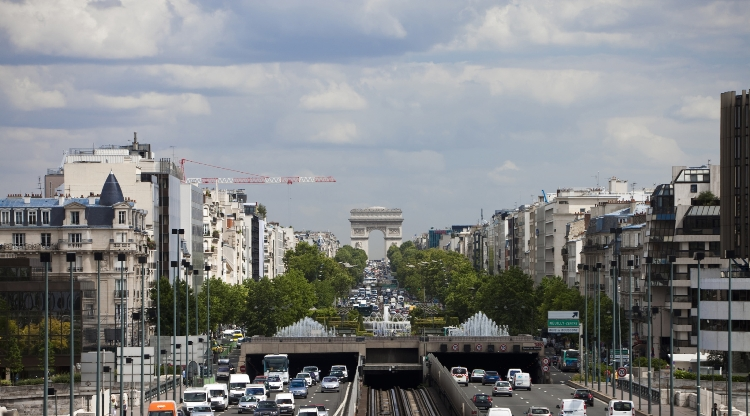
pixel 341 406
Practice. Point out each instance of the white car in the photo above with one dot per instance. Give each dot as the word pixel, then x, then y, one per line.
pixel 620 408
pixel 461 375
pixel 307 377
pixel 573 407
pixel 342 368
pixel 275 383
pixel 247 404
pixel 330 384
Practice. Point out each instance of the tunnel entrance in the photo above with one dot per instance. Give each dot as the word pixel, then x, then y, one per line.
pixel 499 362
pixel 324 361
pixel 385 379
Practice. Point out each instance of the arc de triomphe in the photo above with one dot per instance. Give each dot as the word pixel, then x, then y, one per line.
pixel 363 221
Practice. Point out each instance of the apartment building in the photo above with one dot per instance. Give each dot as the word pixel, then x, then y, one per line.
pixel 734 142
pixel 223 233
pixel 326 241
pixel 278 241
pixel 74 232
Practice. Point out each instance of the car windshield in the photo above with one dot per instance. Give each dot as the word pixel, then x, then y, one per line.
pixel 514 372
pixel 320 407
pixel 217 393
pixel 223 369
pixel 284 401
pixel 201 409
pixel 481 397
pixel 248 399
pixel 194 397
pixel 478 371
pixel 337 373
pixel 338 367
pixel 297 383
pixel 266 404
pixel 622 406
pixel 310 369
pixel 255 391
pixel 583 392
pixel 330 379
pixel 539 411
pixel 274 379
pixel 491 373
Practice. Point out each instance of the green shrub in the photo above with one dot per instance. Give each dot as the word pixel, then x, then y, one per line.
pixel 684 375
pixel 29 382
pixel 65 378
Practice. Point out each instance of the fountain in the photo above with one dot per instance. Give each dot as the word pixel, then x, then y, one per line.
pixel 479 325
pixel 388 324
pixel 306 327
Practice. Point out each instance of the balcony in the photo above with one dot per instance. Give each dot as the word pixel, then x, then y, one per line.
pixel 122 246
pixel 27 247
pixel 66 245
pixel 75 268
pixel 680 302
pixel 120 294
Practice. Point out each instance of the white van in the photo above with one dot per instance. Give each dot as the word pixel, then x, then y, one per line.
pixel 572 407
pixel 511 373
pixel 620 408
pixel 237 384
pixel 219 395
pixel 257 390
pixel 522 381
pixel 195 396
pixel 499 411
pixel 285 401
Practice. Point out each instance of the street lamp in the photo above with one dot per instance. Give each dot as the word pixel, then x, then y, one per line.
pixel 175 267
pixel 46 258
pixel 613 271
pixel 672 260
pixel 146 357
pixel 121 259
pixel 630 330
pixel 698 256
pixel 71 259
pixel 649 261
pixel 729 254
pixel 585 268
pixel 188 271
pixel 209 352
pixel 598 325
pixel 142 262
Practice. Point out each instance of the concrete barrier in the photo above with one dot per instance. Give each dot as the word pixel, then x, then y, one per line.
pixel 454 394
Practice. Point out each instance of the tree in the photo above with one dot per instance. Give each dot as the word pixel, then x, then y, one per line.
pixel 13 359
pixel 356 257
pixel 261 210
pixel 508 298
pixel 706 198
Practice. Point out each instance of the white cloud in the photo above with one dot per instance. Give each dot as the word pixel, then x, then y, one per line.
pixel 184 103
pixel 82 28
pixel 633 140
pixel 699 107
pixel 377 19
pixel 338 133
pixel 235 78
pixel 336 97
pixel 499 174
pixel 423 161
pixel 27 95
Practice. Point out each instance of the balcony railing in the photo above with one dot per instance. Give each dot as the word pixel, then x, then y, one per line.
pixel 77 245
pixel 27 247
pixel 76 268
pixel 697 231
pixel 120 294
pixel 122 246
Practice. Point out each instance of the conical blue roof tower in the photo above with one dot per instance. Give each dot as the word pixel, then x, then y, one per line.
pixel 111 192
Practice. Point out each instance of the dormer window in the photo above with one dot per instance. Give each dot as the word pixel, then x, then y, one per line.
pixel 45 217
pixel 32 217
pixel 121 217
pixel 75 218
pixel 19 217
pixel 5 217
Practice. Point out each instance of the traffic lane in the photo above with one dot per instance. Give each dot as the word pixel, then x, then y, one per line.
pixel 549 395
pixel 331 400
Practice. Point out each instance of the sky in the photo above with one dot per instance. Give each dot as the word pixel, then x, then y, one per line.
pixel 441 108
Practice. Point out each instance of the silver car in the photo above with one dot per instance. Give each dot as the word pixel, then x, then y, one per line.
pixel 247 404
pixel 330 384
pixel 202 411
pixel 298 388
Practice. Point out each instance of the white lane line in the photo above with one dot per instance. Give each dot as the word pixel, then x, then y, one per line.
pixel 341 406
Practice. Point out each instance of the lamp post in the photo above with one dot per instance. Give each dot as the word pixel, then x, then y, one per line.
pixel 128 360
pixel 98 257
pixel 698 256
pixel 586 324
pixel 630 330
pixel 177 347
pixel 158 332
pixel 188 271
pixel 195 295
pixel 729 254
pixel 613 269
pixel 142 261
pixel 649 261
pixel 175 267
pixel 209 353
pixel 145 357
pixel 121 259
pixel 188 367
pixel 106 369
pixel 598 318
pixel 45 259
pixel 71 258
pixel 672 260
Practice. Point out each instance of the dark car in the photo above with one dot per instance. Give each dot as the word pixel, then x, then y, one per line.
pixel 338 374
pixel 555 360
pixel 267 408
pixel 490 377
pixel 585 395
pixel 482 401
pixel 314 373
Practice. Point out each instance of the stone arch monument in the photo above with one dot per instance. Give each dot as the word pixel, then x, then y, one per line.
pixel 363 221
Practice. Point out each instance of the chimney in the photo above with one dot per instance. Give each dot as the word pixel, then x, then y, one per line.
pixel 27 199
pixel 61 200
pixel 92 200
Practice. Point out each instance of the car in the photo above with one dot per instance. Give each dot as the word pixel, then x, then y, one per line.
pixel 307 377
pixel 274 383
pixel 307 411
pixel 202 411
pixel 247 404
pixel 298 387
pixel 512 372
pixel 330 383
pixel 342 368
pixel 476 375
pixel 502 388
pixel 261 379
pixel 322 410
pixel 482 401
pixel 267 408
pixel 620 408
pixel 585 395
pixel 314 372
pixel 572 407
pixel 222 373
pixel 499 411
pixel 285 402
pixel 339 375
pixel 256 390
pixel 461 375
pixel 490 377
pixel 537 411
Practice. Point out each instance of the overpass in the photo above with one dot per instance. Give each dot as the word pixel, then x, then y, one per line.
pixel 397 360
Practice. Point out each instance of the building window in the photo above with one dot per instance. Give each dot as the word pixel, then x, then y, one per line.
pixel 5 217
pixel 75 218
pixel 19 217
pixel 45 217
pixel 693 188
pixel 206 229
pixel 32 217
pixel 121 237
pixel 121 217
pixel 46 240
pixel 19 239
pixel 74 237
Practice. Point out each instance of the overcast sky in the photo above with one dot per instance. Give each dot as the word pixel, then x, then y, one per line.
pixel 441 108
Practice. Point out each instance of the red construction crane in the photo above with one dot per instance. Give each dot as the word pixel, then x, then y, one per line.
pixel 259 179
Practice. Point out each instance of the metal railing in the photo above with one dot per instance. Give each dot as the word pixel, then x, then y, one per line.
pixel 153 392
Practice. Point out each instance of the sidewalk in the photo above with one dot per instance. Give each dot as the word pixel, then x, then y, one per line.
pixel 605 394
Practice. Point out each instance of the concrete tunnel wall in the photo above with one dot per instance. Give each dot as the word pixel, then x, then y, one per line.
pixel 324 361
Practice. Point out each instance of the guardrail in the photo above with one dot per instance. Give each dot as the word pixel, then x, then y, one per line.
pixel 162 388
pixel 639 390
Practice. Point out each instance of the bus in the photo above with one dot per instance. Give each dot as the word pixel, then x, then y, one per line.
pixel 569 360
pixel 277 365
